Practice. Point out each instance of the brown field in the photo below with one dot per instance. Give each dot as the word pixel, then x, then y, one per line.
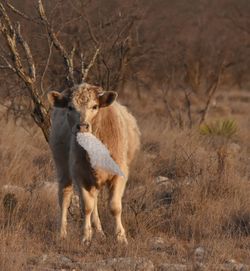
pixel 175 65
pixel 206 202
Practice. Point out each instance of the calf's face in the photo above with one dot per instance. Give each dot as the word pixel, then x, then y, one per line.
pixel 82 104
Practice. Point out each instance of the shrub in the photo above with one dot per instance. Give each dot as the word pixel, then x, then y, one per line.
pixel 224 128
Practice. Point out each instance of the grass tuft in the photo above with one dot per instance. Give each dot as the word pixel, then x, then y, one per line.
pixel 224 128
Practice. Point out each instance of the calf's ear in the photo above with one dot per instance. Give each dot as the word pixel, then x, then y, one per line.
pixel 57 99
pixel 107 98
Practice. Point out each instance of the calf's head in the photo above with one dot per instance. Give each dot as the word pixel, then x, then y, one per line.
pixel 82 103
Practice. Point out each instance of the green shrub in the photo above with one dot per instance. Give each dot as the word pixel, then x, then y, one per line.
pixel 225 128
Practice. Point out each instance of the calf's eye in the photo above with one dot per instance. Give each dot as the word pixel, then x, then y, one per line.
pixel 95 107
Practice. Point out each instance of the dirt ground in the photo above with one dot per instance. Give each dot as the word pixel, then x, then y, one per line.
pixel 186 191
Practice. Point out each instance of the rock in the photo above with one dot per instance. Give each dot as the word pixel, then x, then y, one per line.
pixel 157 243
pixel 121 264
pixel 164 189
pixel 46 261
pixel 234 148
pixel 164 183
pixel 43 258
pixel 65 261
pixel 232 265
pixel 172 267
pixel 199 254
pixel 161 179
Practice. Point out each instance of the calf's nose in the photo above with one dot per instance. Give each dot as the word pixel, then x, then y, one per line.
pixel 83 127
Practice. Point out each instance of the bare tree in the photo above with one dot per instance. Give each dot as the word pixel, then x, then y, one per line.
pixel 193 49
pixel 17 58
pixel 24 67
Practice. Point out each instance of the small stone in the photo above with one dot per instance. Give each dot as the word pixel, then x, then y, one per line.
pixel 164 189
pixel 233 265
pixel 64 259
pixel 164 183
pixel 157 243
pixel 121 264
pixel 162 179
pixel 145 265
pixel 62 262
pixel 199 254
pixel 173 267
pixel 234 148
pixel 43 258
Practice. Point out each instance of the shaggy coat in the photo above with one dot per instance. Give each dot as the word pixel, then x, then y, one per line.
pixel 88 108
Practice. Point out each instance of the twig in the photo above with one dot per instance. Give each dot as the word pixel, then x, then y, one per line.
pixel 164 90
pixel 68 58
pixel 211 92
pixel 12 36
pixel 8 65
pixel 188 104
pixel 90 30
pixel 24 44
pixel 20 13
pixel 82 67
pixel 46 67
pixel 86 71
pixel 67 23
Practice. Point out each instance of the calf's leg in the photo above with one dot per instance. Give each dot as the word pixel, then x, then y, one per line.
pixel 117 190
pixel 95 216
pixel 65 192
pixel 89 205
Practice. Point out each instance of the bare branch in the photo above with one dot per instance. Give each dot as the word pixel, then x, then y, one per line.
pixel 8 65
pixel 46 67
pixel 82 67
pixel 32 69
pixel 6 19
pixel 12 36
pixel 20 13
pixel 85 75
pixel 164 91
pixel 67 23
pixel 5 67
pixel 237 13
pixel 11 42
pixel 68 58
pixel 188 105
pixel 211 91
pixel 108 72
pixel 237 24
pixel 90 30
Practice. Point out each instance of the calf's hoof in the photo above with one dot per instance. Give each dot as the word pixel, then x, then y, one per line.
pixel 86 240
pixel 63 234
pixel 121 238
pixel 100 234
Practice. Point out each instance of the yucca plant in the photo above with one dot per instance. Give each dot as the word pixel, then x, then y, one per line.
pixel 224 128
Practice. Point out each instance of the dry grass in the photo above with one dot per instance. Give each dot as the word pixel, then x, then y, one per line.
pixel 208 205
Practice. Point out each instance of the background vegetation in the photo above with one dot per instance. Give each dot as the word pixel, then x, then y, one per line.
pixel 182 68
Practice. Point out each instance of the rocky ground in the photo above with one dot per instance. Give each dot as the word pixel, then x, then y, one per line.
pixel 158 246
pixel 167 186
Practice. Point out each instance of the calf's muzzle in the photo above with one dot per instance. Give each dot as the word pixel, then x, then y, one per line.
pixel 83 127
